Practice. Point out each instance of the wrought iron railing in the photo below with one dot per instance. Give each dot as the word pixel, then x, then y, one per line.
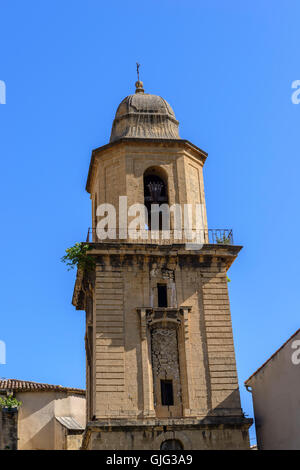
pixel 164 237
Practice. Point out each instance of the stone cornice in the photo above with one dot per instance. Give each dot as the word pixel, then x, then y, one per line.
pixel 165 425
pixel 162 316
pixel 122 253
pixel 180 423
pixel 132 249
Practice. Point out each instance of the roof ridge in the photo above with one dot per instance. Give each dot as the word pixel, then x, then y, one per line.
pixel 271 357
pixel 30 385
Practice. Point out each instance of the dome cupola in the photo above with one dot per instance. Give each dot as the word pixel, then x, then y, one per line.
pixel 144 116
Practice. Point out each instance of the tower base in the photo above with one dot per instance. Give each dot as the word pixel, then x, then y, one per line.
pixel 210 433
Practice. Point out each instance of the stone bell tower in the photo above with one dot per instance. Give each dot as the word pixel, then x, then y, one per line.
pixel 161 370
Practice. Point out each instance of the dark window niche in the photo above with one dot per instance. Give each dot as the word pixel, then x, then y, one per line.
pixel 171 444
pixel 167 398
pixel 162 295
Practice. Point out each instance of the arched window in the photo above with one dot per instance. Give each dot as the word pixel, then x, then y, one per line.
pixel 155 190
pixel 171 444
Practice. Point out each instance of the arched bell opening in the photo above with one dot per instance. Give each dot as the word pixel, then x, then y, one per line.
pixel 155 191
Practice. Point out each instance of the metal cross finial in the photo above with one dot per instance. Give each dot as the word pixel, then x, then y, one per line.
pixel 138 70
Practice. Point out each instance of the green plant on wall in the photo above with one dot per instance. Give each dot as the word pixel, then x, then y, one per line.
pixel 77 256
pixel 10 403
pixel 223 240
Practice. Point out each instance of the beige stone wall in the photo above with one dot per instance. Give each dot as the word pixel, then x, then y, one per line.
pixel 109 358
pixel 119 171
pixel 60 436
pixel 36 421
pixel 122 379
pixel 219 340
pixel 276 400
pixel 151 437
pixel 123 365
pixel 66 439
pixel 74 441
pixel 165 366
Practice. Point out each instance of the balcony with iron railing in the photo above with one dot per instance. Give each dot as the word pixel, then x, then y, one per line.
pixel 164 237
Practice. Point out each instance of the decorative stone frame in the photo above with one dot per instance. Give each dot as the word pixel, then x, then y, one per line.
pixel 168 279
pixel 165 317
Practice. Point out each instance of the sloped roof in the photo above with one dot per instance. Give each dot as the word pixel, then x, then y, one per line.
pixel 70 423
pixel 28 386
pixel 271 357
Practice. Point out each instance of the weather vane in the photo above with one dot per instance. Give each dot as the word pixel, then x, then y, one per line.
pixel 138 70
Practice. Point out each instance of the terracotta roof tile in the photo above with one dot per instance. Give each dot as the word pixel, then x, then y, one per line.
pixel 28 386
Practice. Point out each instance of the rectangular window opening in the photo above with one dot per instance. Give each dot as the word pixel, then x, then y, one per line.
pixel 162 295
pixel 167 393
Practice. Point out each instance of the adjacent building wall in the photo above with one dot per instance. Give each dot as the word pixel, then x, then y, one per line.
pixel 276 400
pixel 36 423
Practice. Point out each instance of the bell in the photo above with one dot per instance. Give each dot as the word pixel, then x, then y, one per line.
pixel 155 190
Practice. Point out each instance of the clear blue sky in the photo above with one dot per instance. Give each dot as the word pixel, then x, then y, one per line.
pixel 226 68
